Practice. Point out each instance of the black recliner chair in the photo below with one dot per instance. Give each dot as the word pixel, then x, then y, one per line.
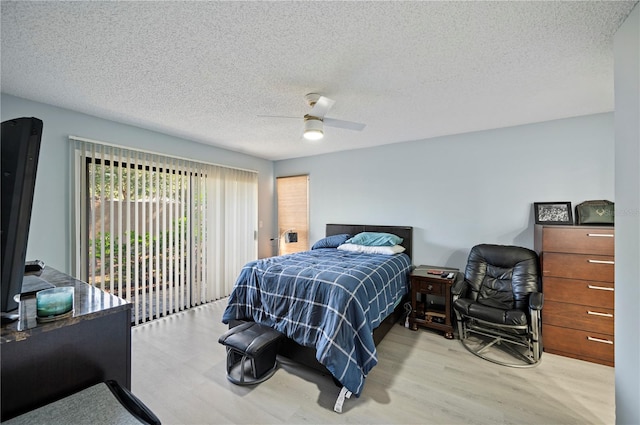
pixel 498 305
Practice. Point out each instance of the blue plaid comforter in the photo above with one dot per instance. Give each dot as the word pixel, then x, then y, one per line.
pixel 325 298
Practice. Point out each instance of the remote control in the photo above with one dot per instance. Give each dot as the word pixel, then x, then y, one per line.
pixel 33 266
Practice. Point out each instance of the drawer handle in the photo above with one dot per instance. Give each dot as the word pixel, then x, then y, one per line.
pixel 599 235
pixel 600 288
pixel 430 288
pixel 595 313
pixel 601 262
pixel 604 341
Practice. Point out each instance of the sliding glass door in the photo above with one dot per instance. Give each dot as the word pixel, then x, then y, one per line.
pixel 163 233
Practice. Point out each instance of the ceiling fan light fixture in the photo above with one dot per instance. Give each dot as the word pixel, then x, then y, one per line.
pixel 313 129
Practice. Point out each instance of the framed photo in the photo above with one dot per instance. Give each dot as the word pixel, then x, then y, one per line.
pixel 553 212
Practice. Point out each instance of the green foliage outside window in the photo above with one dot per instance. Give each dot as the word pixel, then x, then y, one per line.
pixel 108 251
pixel 123 256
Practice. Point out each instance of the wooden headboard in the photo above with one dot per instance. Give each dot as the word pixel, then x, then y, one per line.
pixel 405 232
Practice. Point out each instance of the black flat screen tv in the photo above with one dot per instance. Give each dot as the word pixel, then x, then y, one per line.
pixel 20 150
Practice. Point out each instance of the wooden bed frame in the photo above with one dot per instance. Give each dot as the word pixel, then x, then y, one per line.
pixel 307 355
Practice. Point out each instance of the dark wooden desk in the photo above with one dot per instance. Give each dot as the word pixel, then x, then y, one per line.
pixel 45 362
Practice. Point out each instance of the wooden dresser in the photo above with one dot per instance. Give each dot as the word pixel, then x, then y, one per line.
pixel 44 362
pixel 577 283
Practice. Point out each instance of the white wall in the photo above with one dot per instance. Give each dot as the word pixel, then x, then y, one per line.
pixel 627 187
pixel 49 235
pixel 458 191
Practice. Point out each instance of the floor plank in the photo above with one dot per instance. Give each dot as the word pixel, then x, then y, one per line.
pixel 178 370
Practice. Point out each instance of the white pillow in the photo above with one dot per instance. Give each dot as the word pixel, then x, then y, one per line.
pixel 385 250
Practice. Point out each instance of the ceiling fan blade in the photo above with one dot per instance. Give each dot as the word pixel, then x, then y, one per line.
pixel 347 125
pixel 277 116
pixel 321 107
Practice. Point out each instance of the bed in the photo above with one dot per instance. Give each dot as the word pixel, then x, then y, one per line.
pixel 333 306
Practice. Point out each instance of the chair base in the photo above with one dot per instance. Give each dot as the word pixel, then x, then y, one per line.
pixel 251 353
pixel 243 372
pixel 500 346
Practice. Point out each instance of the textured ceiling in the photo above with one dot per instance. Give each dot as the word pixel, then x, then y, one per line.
pixel 205 71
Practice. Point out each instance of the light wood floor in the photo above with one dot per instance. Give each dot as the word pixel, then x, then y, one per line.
pixel 178 371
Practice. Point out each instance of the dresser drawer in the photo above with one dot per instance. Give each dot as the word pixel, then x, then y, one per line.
pixel 427 287
pixel 584 292
pixel 580 344
pixel 574 316
pixel 578 266
pixel 578 240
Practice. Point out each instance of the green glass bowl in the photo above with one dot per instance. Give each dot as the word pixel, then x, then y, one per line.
pixel 54 302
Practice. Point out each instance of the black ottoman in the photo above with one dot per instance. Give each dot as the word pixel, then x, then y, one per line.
pixel 253 342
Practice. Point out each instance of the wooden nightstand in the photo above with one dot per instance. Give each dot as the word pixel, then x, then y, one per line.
pixel 431 299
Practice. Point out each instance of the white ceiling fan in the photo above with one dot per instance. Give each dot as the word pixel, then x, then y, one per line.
pixel 315 120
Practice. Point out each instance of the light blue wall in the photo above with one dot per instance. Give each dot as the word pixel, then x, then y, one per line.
pixel 49 236
pixel 458 191
pixel 627 148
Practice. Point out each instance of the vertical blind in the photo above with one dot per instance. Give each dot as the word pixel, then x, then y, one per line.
pixel 163 233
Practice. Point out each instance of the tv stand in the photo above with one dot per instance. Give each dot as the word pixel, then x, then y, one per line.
pixel 45 362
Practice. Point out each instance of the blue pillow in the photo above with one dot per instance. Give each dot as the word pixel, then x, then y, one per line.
pixel 333 241
pixel 375 239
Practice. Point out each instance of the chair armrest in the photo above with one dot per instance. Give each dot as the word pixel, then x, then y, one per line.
pixel 536 299
pixel 459 286
pixel 132 403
